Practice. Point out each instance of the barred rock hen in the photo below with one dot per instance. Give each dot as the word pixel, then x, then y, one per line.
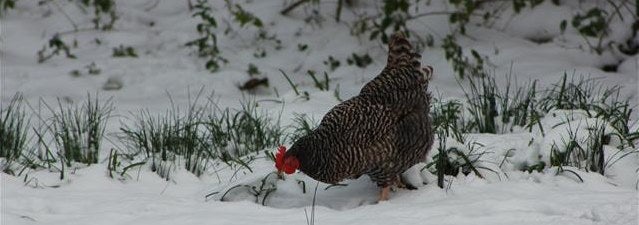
pixel 381 132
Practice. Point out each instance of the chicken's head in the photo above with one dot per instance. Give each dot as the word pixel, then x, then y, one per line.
pixel 288 164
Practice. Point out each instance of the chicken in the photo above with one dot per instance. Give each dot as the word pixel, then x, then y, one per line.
pixel 381 132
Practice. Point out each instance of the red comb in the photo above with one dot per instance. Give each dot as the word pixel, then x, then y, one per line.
pixel 279 158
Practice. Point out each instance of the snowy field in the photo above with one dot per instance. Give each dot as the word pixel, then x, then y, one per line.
pixel 167 74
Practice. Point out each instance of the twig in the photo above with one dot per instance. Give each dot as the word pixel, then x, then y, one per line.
pixel 77 30
pixel 293 6
pixel 157 2
pixel 411 17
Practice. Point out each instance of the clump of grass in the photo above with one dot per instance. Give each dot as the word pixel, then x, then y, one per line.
pixel 576 94
pixel 78 131
pixel 453 160
pixel 159 138
pixel 14 124
pixel 597 101
pixel 302 126
pixel 200 135
pixel 448 118
pixel 482 99
pixel 489 109
pixel 250 131
pixel 520 107
pixel 583 152
pixel 170 138
pixel 492 110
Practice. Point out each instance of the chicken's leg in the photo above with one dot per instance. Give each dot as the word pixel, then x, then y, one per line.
pixel 384 194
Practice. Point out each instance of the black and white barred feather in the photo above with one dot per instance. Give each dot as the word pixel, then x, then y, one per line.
pixel 383 131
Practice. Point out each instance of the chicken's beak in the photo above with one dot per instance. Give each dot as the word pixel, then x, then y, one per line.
pixel 280 174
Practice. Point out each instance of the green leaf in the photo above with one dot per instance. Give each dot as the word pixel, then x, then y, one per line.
pixel 257 22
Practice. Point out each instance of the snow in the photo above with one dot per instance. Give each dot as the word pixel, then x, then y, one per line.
pixel 523 199
pixel 166 69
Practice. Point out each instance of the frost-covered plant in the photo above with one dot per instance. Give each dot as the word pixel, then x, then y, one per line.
pixel 332 63
pixel 171 138
pixel 302 47
pixel 242 16
pixel 450 161
pixel 251 130
pixel 463 65
pixel 585 153
pixel 73 133
pixel 235 135
pixel 203 133
pixel 206 43
pixel 124 51
pixel 361 61
pixel 448 118
pixel 55 46
pixel 594 25
pixel 91 68
pixel 102 8
pixel 482 97
pixel 253 70
pixel 597 101
pixel 394 16
pixel 519 108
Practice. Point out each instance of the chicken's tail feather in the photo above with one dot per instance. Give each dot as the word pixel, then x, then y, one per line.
pixel 401 53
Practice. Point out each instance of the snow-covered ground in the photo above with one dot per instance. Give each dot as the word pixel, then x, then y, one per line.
pixel 522 199
pixel 88 196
